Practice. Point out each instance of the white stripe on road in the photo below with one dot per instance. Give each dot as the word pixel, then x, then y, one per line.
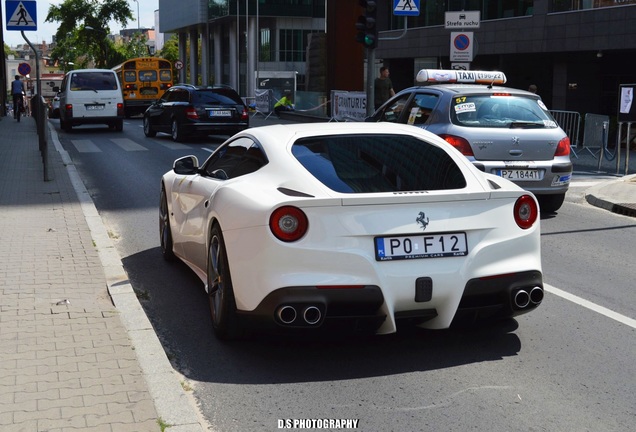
pixel 85 146
pixel 591 306
pixel 128 144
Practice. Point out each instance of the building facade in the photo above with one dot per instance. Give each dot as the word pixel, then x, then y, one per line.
pixel 238 40
pixel 576 51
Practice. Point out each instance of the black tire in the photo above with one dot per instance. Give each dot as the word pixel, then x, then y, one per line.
pixel 165 234
pixel 550 203
pixel 220 292
pixel 177 134
pixel 118 125
pixel 148 129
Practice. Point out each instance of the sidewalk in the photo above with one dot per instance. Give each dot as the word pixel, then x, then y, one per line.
pixel 77 351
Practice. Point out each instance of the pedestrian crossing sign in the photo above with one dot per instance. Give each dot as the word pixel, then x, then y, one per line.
pixel 21 15
pixel 406 7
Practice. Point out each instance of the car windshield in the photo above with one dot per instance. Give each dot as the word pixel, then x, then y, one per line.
pixel 378 163
pixel 500 111
pixel 92 81
pixel 217 97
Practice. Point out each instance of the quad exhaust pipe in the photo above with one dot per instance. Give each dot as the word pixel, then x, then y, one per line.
pixel 523 298
pixel 287 314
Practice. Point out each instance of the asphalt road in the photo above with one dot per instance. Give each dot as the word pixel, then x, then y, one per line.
pixel 568 366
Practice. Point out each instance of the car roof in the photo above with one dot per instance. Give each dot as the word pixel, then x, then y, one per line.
pixel 199 87
pixel 469 89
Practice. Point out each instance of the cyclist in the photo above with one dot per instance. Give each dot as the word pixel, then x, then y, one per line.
pixel 17 90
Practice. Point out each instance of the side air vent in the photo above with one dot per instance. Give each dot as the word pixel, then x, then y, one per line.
pixel 294 193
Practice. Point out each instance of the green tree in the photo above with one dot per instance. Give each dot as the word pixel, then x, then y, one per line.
pixel 8 50
pixel 83 25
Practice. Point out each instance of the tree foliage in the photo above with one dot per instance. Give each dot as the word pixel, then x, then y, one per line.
pixel 83 30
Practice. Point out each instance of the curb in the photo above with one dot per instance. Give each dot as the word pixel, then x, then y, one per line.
pixel 596 197
pixel 174 406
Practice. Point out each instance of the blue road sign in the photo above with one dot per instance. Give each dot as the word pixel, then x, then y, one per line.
pixel 21 14
pixel 406 7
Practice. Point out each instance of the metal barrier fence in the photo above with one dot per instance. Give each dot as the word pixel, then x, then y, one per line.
pixel 595 133
pixel 570 122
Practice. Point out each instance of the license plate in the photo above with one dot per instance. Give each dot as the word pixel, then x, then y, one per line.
pixel 421 246
pixel 517 174
pixel 94 107
pixel 219 113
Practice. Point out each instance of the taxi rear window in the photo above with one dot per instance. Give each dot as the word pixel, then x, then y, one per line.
pixel 368 163
pixel 500 111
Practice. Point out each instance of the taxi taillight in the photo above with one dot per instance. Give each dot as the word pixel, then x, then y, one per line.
pixel 563 148
pixel 459 143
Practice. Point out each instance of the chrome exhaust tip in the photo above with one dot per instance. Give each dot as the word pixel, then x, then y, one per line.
pixel 536 295
pixel 286 314
pixel 312 315
pixel 522 299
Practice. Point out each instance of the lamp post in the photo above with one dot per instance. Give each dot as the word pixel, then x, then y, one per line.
pixel 138 26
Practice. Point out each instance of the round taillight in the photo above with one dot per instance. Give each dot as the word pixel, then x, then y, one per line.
pixel 288 223
pixel 526 211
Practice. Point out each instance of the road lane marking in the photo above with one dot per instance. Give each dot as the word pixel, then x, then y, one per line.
pixel 591 306
pixel 128 144
pixel 85 146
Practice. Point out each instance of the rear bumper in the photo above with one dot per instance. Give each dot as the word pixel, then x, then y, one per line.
pixel 360 310
pixel 93 120
pixel 214 128
pixel 556 176
pixel 494 298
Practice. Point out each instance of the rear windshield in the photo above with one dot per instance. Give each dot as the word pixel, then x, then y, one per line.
pixel 217 97
pixel 91 81
pixel 378 163
pixel 503 111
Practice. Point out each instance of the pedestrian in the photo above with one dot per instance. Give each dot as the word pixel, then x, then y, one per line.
pixel 383 88
pixel 532 88
pixel 17 90
pixel 284 103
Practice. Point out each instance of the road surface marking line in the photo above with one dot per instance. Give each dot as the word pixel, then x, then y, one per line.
pixel 591 306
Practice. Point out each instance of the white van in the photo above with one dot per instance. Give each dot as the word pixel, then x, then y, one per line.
pixel 91 96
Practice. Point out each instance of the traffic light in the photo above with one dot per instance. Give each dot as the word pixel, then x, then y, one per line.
pixel 366 25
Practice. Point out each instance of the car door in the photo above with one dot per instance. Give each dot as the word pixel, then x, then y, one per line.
pixel 196 195
pixel 156 111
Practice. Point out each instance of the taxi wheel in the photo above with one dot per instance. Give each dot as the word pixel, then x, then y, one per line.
pixel 550 203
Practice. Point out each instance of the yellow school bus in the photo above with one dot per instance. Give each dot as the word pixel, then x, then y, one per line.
pixel 143 81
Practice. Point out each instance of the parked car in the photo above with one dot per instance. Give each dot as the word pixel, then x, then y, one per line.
pixel 187 110
pixel 349 226
pixel 91 96
pixel 501 130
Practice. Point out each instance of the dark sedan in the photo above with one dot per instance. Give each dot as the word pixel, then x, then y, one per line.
pixel 187 110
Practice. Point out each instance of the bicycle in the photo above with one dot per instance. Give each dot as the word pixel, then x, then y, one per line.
pixel 18 106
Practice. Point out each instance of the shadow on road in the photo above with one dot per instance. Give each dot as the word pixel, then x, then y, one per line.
pixel 175 301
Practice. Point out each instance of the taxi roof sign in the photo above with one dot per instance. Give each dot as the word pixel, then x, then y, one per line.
pixel 460 76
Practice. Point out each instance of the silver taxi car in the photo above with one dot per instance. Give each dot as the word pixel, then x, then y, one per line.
pixel 502 131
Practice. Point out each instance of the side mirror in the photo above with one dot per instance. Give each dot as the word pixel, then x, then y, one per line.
pixel 186 165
